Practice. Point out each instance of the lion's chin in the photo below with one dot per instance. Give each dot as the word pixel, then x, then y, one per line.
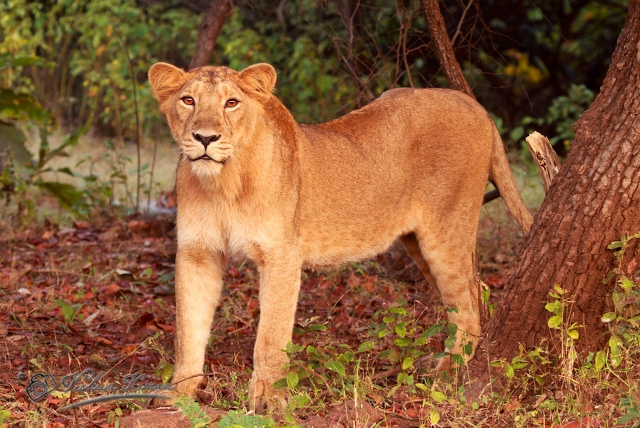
pixel 206 168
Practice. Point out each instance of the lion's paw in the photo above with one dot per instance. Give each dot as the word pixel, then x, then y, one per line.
pixel 445 364
pixel 263 396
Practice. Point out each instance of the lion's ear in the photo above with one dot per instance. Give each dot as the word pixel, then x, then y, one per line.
pixel 259 78
pixel 165 80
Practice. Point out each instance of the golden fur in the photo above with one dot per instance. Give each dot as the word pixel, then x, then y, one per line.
pixel 412 165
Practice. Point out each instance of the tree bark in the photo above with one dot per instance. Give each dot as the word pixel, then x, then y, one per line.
pixel 593 201
pixel 209 31
pixel 444 50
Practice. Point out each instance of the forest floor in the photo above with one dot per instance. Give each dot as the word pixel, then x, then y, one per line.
pixel 99 296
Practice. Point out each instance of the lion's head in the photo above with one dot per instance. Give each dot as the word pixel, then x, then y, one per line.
pixel 212 110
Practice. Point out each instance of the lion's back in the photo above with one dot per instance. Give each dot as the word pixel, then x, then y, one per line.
pixel 438 122
pixel 382 161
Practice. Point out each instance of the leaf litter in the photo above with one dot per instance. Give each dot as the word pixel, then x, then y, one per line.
pixel 100 296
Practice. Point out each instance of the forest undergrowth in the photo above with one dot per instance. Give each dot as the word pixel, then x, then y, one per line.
pixel 98 295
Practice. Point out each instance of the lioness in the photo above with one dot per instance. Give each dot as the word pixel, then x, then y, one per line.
pixel 252 182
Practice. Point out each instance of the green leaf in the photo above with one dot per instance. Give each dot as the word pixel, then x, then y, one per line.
pixel 21 106
pixel 13 139
pixel 404 379
pixel 554 307
pixel 458 360
pixel 509 371
pixel 292 348
pixel 626 284
pixel 422 387
pixel 407 363
pixel 627 418
pixel 485 295
pixel 610 275
pixel 555 321
pixel 335 366
pixel 398 310
pixel 601 359
pixel 167 373
pixel 317 327
pixel 609 316
pixel 68 310
pixel 347 357
pixel 401 329
pixel 573 334
pixel 6 61
pixel 615 356
pixel 403 342
pixel 366 346
pixel 450 342
pixel 280 383
pixel 614 245
pixel 66 194
pixel 433 330
pixel 434 417
pixel 468 348
pixel 452 329
pixel 614 342
pixel 292 379
pixel 438 396
pixel 420 341
pixel 382 333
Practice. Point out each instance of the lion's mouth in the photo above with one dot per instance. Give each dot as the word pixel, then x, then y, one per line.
pixel 206 157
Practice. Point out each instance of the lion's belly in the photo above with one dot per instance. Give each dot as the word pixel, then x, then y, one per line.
pixel 324 242
pixel 327 254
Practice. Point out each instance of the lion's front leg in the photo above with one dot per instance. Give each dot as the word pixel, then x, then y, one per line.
pixel 279 287
pixel 198 287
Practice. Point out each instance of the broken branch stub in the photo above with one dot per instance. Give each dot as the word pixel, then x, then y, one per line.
pixel 545 157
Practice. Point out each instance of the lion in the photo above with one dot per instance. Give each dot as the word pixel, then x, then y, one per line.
pixel 252 182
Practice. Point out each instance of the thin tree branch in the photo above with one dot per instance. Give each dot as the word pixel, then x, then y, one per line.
pixel 444 50
pixel 464 14
pixel 209 31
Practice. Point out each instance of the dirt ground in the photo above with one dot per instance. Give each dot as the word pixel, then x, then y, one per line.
pixel 99 296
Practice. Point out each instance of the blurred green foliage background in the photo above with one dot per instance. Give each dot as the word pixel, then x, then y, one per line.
pixel 74 64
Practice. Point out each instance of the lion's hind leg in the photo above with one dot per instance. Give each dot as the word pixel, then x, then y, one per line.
pixel 450 264
pixel 410 243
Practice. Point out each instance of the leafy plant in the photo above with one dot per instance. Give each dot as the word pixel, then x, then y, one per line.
pixel 69 310
pixel 568 333
pixel 192 410
pixel 5 415
pixel 18 105
pixel 624 320
pixel 404 341
pixel 238 419
pixel 557 122
pixel 631 408
pixel 20 169
pixel 329 369
pixel 114 417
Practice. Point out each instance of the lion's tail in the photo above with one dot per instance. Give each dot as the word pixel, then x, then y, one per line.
pixel 501 176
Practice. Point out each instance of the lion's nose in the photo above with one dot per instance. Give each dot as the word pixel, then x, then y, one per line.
pixel 205 140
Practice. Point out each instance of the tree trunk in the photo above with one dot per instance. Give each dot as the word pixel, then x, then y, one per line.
pixel 444 50
pixel 209 31
pixel 594 200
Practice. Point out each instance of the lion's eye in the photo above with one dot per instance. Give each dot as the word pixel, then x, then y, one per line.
pixel 232 102
pixel 188 101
